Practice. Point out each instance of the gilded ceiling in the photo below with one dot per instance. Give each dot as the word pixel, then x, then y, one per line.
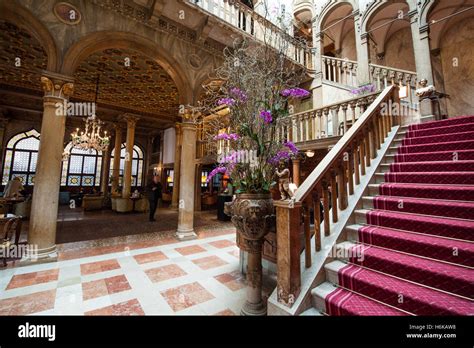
pixel 127 80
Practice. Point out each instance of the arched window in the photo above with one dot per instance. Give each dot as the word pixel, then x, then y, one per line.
pixel 137 164
pixel 82 168
pixel 20 157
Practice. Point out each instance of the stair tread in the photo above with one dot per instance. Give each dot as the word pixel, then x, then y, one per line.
pixel 415 298
pixel 448 277
pixel 442 123
pixel 418 244
pixel 344 302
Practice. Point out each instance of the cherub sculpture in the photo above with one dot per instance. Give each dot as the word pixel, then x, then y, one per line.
pixel 283 174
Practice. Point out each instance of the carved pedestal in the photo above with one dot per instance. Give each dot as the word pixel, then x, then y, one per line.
pixel 253 216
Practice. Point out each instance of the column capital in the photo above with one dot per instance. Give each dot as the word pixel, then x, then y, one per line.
pixel 190 114
pixel 131 119
pixel 57 85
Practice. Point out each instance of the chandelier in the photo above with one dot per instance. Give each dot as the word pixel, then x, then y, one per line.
pixel 91 137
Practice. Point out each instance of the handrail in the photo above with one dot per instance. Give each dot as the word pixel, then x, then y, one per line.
pixel 321 169
pixel 330 184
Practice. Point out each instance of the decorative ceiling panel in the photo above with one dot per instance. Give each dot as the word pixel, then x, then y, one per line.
pixel 127 79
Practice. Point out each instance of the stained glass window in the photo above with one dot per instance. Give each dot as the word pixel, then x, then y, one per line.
pixel 82 168
pixel 137 164
pixel 20 157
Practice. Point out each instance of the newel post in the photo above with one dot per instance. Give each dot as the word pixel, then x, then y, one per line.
pixel 288 223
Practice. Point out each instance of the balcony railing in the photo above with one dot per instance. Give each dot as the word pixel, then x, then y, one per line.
pixel 246 20
pixel 339 70
pixel 328 121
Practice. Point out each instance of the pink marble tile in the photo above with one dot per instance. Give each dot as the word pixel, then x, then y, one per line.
pixel 233 280
pixel 225 312
pixel 186 296
pixel 222 243
pixel 103 287
pixel 28 279
pixel 192 249
pixel 235 253
pixel 163 273
pixel 131 307
pixel 209 262
pixel 150 257
pixel 100 266
pixel 28 304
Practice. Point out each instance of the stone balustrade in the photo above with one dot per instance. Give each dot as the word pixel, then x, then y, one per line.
pixel 339 70
pixel 329 121
pixel 245 19
pixel 382 76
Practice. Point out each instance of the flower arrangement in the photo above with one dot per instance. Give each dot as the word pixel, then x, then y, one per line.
pixel 370 88
pixel 258 86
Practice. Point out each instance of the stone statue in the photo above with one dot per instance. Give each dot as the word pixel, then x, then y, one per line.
pixel 283 174
pixel 425 91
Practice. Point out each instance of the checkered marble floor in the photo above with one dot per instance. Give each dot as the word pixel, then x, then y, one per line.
pixel 166 277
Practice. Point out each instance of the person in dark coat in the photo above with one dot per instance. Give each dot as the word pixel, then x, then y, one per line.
pixel 154 194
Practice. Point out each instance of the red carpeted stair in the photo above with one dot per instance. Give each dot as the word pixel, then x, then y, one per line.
pixel 413 250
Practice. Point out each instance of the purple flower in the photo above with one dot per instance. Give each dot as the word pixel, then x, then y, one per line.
pixel 225 136
pixel 215 171
pixel 266 115
pixel 238 94
pixel 295 92
pixel 280 156
pixel 291 146
pixel 226 101
pixel 367 88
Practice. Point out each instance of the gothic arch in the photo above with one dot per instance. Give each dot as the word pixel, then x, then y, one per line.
pixel 376 6
pixel 102 40
pixel 330 7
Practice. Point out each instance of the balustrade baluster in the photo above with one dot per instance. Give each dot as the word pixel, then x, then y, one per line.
pixel 344 115
pixel 350 170
pixel 307 232
pixel 356 160
pixel 324 185
pixel 362 154
pixel 334 175
pixel 342 186
pixel 317 219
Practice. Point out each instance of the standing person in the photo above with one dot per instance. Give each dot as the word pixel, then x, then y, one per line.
pixel 154 193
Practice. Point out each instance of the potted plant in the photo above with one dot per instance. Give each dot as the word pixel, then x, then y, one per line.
pixel 257 83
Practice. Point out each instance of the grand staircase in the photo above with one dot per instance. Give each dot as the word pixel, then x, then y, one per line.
pixel 411 249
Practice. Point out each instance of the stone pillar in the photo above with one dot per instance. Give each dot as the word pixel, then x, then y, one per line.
pixel 421 50
pixel 104 179
pixel 3 124
pixel 316 84
pixel 186 182
pixel 44 211
pixel 177 166
pixel 127 172
pixel 296 171
pixel 363 53
pixel 116 164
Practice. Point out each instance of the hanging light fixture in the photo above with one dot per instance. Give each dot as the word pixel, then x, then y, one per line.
pixel 310 153
pixel 91 137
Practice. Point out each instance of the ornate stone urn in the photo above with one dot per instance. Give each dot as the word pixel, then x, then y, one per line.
pixel 253 216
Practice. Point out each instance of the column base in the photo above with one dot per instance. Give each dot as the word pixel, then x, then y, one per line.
pixel 254 309
pixel 185 235
pixel 174 206
pixel 42 256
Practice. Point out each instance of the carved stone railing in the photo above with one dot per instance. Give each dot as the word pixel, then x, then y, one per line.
pixel 329 121
pixel 243 18
pixel 383 76
pixel 332 182
pixel 339 70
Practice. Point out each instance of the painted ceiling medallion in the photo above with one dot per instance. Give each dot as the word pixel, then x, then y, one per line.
pixel 67 13
pixel 195 61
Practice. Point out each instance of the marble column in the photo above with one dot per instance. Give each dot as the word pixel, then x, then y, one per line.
pixel 363 54
pixel 127 172
pixel 318 51
pixel 186 182
pixel 421 50
pixel 44 211
pixel 176 166
pixel 104 180
pixel 116 164
pixel 296 171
